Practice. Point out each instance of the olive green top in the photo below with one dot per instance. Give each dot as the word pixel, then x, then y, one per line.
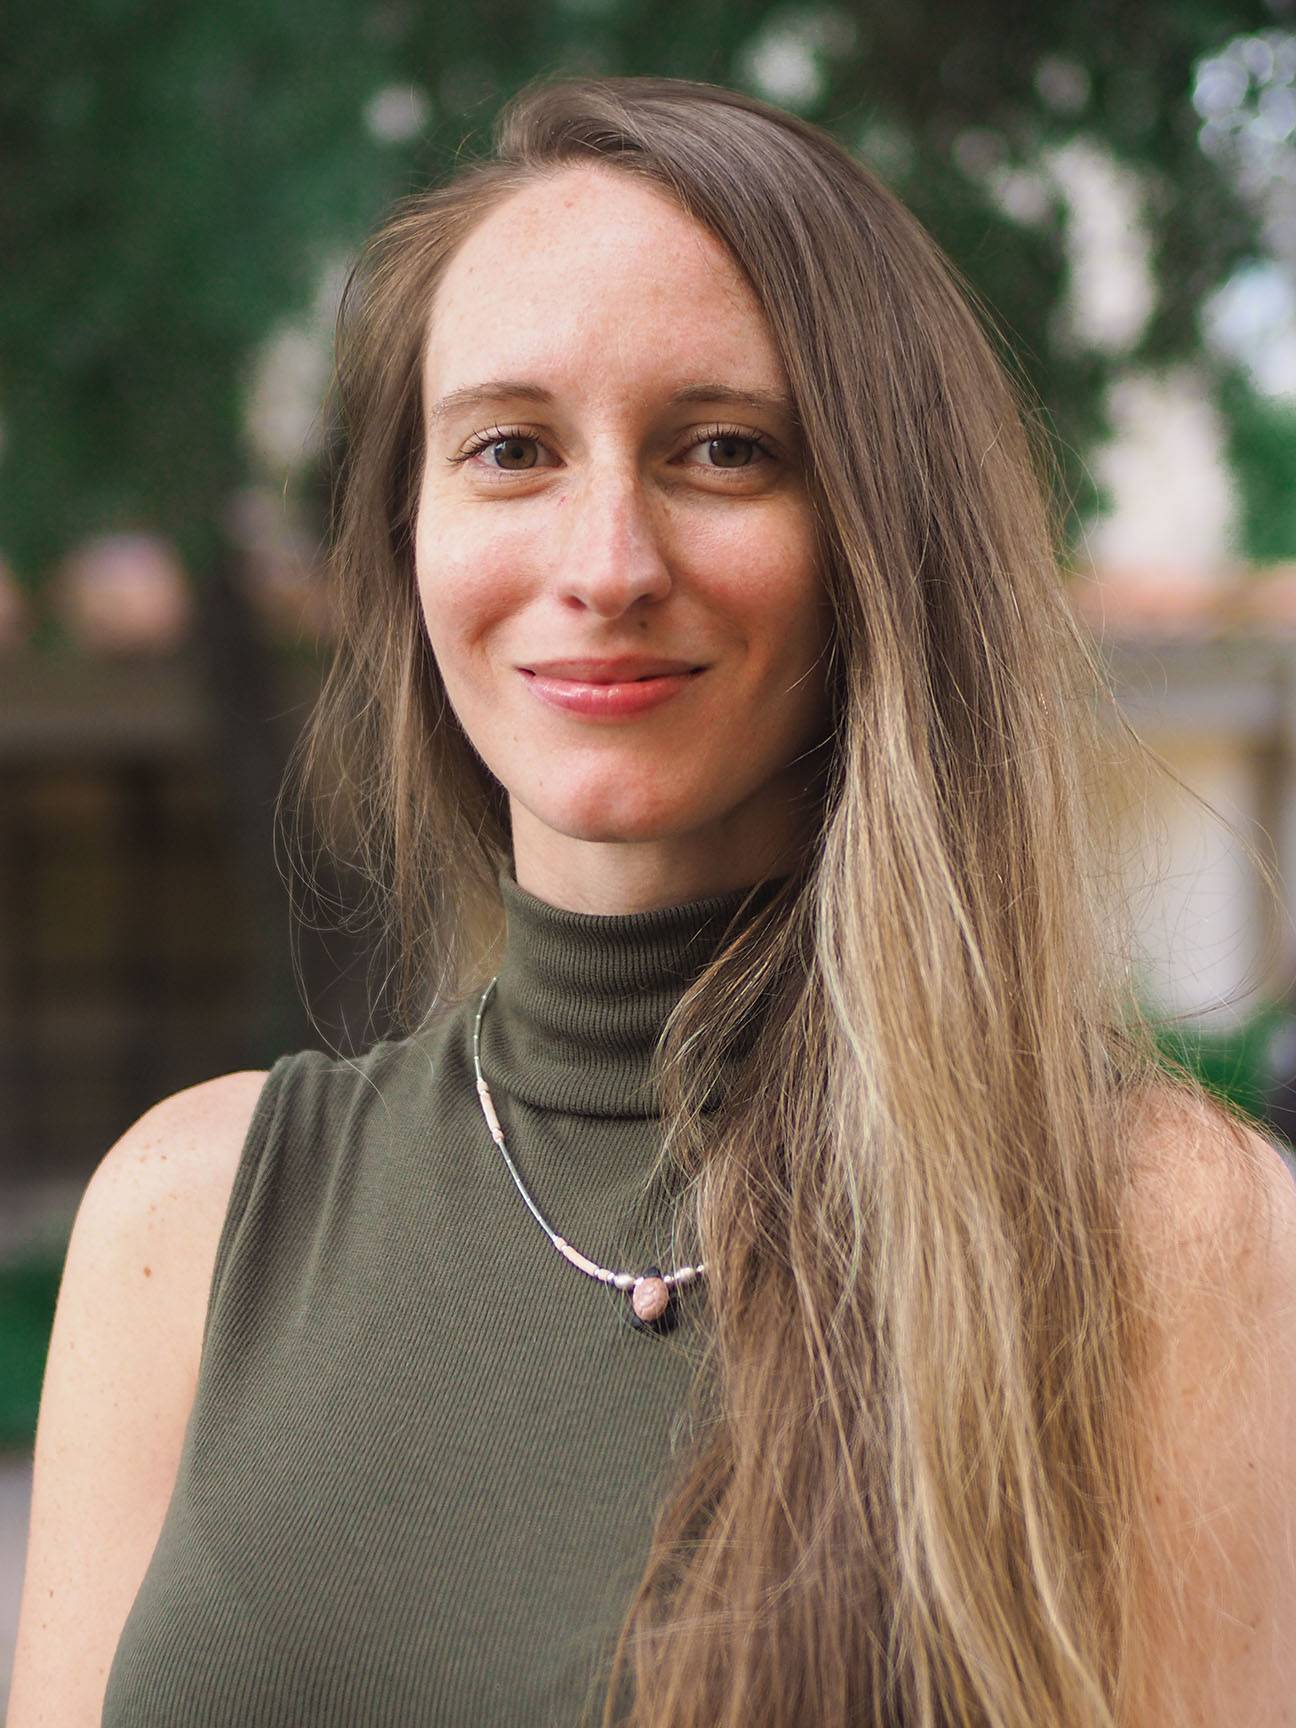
pixel 419 1477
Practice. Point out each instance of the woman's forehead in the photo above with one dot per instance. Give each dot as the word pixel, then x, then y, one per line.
pixel 594 262
pixel 587 216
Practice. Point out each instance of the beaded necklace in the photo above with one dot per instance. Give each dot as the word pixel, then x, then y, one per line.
pixel 650 1291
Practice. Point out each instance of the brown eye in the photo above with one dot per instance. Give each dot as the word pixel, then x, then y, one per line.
pixel 518 451
pixel 731 452
pixel 514 450
pixel 728 450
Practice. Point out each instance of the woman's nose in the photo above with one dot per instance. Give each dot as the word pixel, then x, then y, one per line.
pixel 611 555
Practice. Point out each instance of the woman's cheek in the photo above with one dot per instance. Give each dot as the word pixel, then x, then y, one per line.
pixel 468 587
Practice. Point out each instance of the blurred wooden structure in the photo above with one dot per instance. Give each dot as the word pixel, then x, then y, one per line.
pixel 1206 674
pixel 1222 714
pixel 132 944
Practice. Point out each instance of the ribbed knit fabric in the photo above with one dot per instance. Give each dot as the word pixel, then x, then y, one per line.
pixel 420 1473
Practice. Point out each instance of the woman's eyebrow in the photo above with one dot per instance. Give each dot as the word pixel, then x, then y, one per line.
pixel 513 389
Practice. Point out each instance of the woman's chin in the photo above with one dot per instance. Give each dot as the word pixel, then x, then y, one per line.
pixel 624 832
pixel 618 819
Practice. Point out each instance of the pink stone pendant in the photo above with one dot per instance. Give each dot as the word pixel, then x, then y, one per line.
pixel 650 1301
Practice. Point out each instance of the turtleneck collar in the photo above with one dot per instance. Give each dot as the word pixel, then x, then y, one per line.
pixel 581 997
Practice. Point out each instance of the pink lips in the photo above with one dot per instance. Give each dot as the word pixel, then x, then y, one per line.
pixel 608 689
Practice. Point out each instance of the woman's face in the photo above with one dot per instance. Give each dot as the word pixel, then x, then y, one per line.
pixel 612 474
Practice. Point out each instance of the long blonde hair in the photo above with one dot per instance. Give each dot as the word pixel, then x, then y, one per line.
pixel 918 1496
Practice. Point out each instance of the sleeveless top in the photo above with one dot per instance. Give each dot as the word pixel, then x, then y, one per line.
pixel 419 1476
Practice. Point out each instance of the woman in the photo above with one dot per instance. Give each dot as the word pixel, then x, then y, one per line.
pixel 709 687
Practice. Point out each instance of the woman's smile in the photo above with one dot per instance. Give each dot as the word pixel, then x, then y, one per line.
pixel 609 700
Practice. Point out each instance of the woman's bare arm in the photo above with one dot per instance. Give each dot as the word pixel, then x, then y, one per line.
pixel 119 1383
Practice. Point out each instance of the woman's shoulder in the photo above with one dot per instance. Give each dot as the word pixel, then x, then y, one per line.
pixel 175 1165
pixel 1206 1185
pixel 149 1221
pixel 1213 1228
pixel 188 1146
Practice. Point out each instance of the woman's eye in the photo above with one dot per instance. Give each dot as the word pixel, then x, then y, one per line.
pixel 514 452
pixel 731 449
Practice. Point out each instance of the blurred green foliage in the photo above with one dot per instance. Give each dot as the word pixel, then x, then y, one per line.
pixel 28 1289
pixel 174 180
pixel 1235 1063
pixel 1262 450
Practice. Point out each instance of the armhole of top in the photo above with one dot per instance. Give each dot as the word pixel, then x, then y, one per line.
pixel 254 1145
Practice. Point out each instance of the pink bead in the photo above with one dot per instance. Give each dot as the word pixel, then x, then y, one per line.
pixel 651 1298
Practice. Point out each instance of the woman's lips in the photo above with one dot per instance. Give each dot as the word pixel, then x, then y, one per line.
pixel 607 701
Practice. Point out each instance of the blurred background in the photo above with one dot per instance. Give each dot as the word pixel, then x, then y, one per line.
pixel 181 189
